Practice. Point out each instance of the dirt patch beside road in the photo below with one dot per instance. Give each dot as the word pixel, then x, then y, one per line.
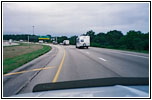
pixel 14 51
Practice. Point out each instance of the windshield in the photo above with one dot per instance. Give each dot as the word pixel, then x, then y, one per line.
pixel 40 45
pixel 82 40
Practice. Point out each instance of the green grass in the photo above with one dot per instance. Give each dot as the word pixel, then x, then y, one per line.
pixel 15 62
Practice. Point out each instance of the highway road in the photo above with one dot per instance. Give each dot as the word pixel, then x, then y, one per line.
pixel 66 63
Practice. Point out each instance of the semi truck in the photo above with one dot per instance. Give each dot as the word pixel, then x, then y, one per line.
pixel 83 42
pixel 66 42
pixel 55 42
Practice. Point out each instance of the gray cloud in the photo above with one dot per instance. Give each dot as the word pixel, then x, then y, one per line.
pixel 74 18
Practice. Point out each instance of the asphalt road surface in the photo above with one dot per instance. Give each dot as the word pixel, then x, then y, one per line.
pixel 66 63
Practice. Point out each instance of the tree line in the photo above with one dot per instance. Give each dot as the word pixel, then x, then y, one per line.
pixel 133 40
pixel 32 38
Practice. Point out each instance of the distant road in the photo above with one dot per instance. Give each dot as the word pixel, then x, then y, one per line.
pixel 66 63
pixel 6 43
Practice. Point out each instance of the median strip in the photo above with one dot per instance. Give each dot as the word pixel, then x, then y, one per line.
pixel 59 69
pixel 16 56
pixel 37 69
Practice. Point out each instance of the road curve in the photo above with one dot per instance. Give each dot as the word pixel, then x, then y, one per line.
pixel 66 63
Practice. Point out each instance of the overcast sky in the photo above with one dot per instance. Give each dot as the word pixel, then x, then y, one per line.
pixel 74 18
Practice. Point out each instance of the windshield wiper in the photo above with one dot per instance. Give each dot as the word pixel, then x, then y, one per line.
pixel 92 83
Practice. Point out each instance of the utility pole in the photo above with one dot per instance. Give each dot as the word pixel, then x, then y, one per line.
pixel 56 39
pixel 28 38
pixel 33 29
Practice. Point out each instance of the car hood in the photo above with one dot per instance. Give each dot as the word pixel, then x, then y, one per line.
pixel 107 91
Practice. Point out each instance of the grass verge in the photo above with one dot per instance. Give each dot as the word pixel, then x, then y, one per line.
pixel 15 62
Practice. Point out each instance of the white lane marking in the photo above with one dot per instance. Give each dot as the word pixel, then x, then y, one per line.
pixel 87 52
pixel 131 55
pixel 102 59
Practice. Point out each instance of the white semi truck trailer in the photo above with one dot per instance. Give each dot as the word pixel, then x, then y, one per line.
pixel 83 41
pixel 66 42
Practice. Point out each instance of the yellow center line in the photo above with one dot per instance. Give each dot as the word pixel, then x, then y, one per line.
pixel 59 69
pixel 37 69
